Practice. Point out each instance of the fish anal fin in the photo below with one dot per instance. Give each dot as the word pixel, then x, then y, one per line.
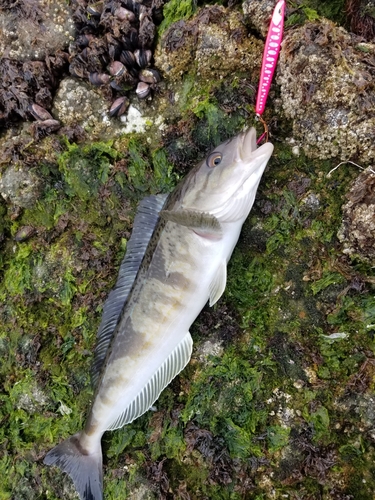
pixel 201 222
pixel 171 367
pixel 218 284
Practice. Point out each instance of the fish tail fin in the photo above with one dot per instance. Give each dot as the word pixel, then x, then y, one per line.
pixel 85 469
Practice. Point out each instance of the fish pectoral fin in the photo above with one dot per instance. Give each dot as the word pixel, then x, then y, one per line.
pixel 218 284
pixel 175 362
pixel 202 223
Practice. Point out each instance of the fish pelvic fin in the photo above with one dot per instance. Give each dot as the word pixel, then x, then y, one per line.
pixel 218 284
pixel 85 469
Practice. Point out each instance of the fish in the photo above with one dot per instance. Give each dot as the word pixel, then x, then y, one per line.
pixel 176 261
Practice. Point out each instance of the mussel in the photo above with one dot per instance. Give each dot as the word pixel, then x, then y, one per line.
pixel 142 90
pixel 116 68
pixel 124 14
pixel 39 113
pixel 95 9
pixel 99 79
pixel 127 58
pixel 143 57
pixel 149 75
pixel 119 106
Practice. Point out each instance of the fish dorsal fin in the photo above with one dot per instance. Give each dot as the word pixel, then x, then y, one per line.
pixel 201 222
pixel 171 367
pixel 144 224
pixel 217 286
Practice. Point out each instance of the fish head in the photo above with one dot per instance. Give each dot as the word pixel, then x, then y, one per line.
pixel 224 184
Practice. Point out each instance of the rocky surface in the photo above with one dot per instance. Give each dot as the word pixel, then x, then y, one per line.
pixel 357 232
pixel 277 401
pixel 215 41
pixel 326 79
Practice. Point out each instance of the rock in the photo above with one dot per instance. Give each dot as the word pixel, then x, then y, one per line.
pixel 33 29
pixel 20 186
pixel 76 102
pixel 357 233
pixel 327 82
pixel 216 39
pixel 258 14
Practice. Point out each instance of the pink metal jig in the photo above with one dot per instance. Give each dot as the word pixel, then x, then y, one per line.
pixel 270 55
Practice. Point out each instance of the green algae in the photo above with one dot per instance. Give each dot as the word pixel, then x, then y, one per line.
pixel 175 10
pixel 312 10
pixel 273 389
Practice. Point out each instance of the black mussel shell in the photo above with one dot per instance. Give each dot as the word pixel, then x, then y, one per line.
pixel 49 125
pixel 143 57
pixel 116 68
pixel 133 38
pixel 128 4
pixel 149 75
pixel 125 43
pixel 143 90
pixel 114 52
pixel 40 129
pixel 157 14
pixel 123 14
pixel 117 84
pixel 119 106
pixel 127 58
pixel 39 113
pixel 99 79
pixel 136 8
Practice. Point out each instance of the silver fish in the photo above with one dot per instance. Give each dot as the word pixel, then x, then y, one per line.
pixel 176 260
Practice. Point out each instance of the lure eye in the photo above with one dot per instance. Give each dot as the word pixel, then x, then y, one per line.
pixel 214 159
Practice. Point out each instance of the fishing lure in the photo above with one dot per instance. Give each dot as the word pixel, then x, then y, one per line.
pixel 270 55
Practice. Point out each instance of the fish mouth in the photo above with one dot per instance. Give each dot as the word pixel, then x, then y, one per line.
pixel 248 144
pixel 248 150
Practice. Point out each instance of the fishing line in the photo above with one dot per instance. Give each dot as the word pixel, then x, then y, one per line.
pixel 270 56
pixel 352 163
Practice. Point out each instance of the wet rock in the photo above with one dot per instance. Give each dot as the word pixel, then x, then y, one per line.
pixel 91 106
pixel 357 233
pixel 93 113
pixel 258 14
pixel 20 186
pixel 33 29
pixel 327 81
pixel 215 39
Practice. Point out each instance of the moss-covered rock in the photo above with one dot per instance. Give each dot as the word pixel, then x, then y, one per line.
pixel 278 398
pixel 326 82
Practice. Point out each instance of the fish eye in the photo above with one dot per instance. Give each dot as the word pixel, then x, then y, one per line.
pixel 214 159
